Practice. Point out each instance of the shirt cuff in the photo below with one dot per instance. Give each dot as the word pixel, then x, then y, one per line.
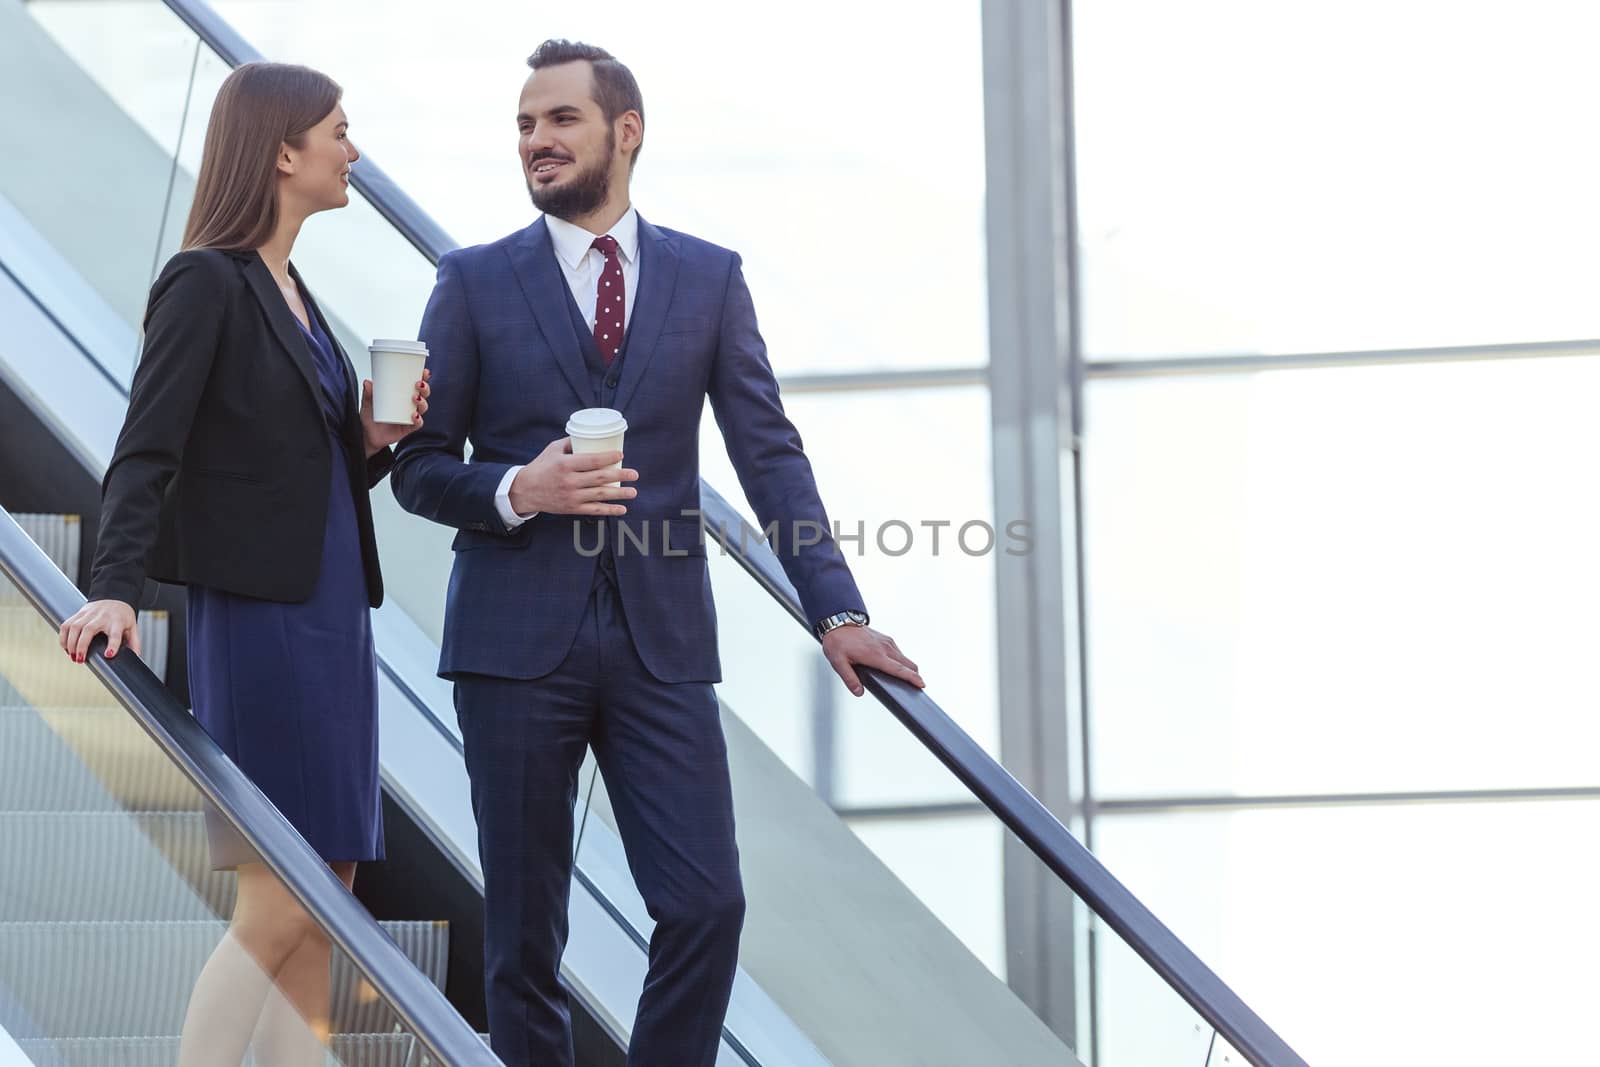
pixel 502 502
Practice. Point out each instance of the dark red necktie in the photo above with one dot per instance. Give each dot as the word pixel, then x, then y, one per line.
pixel 609 301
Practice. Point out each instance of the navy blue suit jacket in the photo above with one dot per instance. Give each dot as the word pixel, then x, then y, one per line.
pixel 508 370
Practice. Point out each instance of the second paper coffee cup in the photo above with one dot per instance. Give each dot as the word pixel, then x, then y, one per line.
pixel 396 369
pixel 597 430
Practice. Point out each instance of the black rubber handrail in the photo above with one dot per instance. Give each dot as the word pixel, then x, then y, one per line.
pixel 1002 794
pixel 416 1000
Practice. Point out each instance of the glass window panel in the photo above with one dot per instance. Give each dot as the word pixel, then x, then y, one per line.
pixel 937 602
pixel 98 200
pixel 1382 936
pixel 862 250
pixel 968 897
pixel 1375 578
pixel 1255 176
pixel 139 52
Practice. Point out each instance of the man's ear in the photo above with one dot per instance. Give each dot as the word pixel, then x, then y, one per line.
pixel 631 133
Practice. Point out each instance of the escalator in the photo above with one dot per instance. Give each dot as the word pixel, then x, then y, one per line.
pixel 108 906
pixel 861 946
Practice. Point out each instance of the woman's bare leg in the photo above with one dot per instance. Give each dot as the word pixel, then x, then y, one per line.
pixel 295 1022
pixel 268 927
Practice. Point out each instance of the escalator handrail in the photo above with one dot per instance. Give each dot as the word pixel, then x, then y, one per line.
pixel 419 1003
pixel 1002 794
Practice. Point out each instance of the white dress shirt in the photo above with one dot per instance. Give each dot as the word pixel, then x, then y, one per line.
pixel 582 265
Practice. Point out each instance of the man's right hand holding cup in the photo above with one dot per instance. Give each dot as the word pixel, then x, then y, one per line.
pixel 561 482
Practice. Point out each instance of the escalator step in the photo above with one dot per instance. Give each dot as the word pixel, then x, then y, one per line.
pixel 85 759
pixel 37 670
pixel 349 1050
pixel 422 1058
pixel 60 536
pixel 98 865
pixel 133 979
pixel 180 837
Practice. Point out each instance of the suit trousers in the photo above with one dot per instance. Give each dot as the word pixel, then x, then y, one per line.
pixel 661 750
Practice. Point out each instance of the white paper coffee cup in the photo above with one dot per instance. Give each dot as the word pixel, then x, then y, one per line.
pixel 396 369
pixel 597 430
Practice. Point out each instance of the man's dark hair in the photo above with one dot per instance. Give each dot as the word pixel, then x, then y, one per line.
pixel 614 88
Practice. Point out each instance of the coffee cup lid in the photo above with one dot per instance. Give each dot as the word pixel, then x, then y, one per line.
pixel 389 344
pixel 596 422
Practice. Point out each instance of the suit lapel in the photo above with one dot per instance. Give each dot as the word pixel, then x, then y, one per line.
pixel 658 277
pixel 281 319
pixel 533 258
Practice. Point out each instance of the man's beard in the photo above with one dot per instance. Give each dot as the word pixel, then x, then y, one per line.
pixel 582 194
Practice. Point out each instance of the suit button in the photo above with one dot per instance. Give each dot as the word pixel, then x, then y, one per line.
pixel 611 383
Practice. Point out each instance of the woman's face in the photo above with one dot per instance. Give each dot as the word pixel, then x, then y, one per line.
pixel 317 174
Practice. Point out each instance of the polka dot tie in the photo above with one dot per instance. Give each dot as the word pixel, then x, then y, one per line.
pixel 609 304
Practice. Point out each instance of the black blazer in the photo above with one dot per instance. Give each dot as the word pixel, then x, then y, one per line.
pixel 220 475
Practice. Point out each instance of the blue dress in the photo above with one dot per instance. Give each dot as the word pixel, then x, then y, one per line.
pixel 289 691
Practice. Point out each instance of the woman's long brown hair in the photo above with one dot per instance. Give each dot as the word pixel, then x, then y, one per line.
pixel 260 108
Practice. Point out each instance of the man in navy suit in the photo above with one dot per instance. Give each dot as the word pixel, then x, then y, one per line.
pixel 554 646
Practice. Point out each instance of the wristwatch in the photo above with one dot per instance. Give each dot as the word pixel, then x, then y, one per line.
pixel 843 618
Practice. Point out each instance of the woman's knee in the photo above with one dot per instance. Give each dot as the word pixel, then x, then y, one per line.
pixel 272 935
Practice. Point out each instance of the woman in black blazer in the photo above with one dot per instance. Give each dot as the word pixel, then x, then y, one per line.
pixel 242 471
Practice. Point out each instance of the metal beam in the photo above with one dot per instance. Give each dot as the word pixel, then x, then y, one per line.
pixel 972 809
pixel 1253 362
pixel 1213 363
pixel 1027 137
pixel 859 381
pixel 1151 805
